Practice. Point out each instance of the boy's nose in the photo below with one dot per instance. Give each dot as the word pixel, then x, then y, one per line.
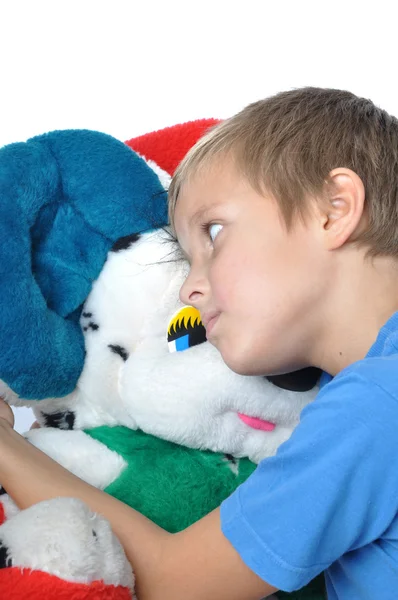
pixel 193 290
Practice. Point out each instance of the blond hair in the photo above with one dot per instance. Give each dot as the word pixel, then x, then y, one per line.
pixel 288 144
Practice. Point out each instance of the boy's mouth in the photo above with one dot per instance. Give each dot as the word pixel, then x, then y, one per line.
pixel 209 323
pixel 256 423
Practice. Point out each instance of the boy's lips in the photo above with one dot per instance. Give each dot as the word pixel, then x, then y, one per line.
pixel 209 321
pixel 257 423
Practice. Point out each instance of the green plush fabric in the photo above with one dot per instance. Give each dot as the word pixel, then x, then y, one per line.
pixel 174 486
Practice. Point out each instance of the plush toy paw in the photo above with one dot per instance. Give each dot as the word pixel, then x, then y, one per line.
pixel 61 550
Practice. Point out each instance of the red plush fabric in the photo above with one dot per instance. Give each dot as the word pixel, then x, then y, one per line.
pixel 2 514
pixel 17 584
pixel 167 147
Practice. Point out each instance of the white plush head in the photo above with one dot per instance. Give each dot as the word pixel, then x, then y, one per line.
pixel 131 377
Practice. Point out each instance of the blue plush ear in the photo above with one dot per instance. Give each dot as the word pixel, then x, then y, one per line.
pixel 65 198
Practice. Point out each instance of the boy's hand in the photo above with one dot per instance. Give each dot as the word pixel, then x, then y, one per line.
pixel 6 413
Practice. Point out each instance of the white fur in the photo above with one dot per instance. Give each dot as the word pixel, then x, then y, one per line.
pixel 125 296
pixel 207 419
pixel 56 537
pixel 85 457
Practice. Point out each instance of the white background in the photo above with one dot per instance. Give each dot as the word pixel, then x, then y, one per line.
pixel 128 67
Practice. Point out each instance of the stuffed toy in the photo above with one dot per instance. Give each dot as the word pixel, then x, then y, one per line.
pixel 129 394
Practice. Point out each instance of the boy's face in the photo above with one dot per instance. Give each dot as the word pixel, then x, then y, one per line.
pixel 257 286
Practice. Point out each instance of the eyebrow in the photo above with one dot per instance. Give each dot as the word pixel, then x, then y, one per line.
pixel 198 215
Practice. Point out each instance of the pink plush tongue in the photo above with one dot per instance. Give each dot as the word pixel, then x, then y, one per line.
pixel 256 423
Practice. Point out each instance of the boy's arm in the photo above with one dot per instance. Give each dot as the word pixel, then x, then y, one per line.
pixel 198 563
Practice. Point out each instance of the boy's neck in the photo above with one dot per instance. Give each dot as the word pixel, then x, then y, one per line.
pixel 364 295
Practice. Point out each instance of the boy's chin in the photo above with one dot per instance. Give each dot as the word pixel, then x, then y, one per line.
pixel 240 364
pixel 243 363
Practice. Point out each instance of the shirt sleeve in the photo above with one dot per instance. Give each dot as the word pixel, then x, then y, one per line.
pixel 331 488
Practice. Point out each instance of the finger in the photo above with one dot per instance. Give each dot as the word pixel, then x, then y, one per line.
pixel 6 412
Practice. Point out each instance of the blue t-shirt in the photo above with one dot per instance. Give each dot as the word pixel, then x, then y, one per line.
pixel 328 500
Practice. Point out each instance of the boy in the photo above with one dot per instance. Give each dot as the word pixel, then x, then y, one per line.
pixel 288 215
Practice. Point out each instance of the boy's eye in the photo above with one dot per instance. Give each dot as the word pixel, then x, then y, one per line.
pixel 214 230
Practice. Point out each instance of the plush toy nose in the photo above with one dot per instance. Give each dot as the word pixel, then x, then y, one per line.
pixel 303 380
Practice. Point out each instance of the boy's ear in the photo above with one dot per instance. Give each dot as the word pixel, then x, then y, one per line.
pixel 343 207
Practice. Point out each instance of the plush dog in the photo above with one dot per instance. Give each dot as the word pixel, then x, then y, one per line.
pixel 154 417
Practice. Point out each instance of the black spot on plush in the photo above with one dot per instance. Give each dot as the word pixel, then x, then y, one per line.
pixel 125 242
pixel 231 458
pixel 122 352
pixel 87 323
pixel 5 560
pixel 60 420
